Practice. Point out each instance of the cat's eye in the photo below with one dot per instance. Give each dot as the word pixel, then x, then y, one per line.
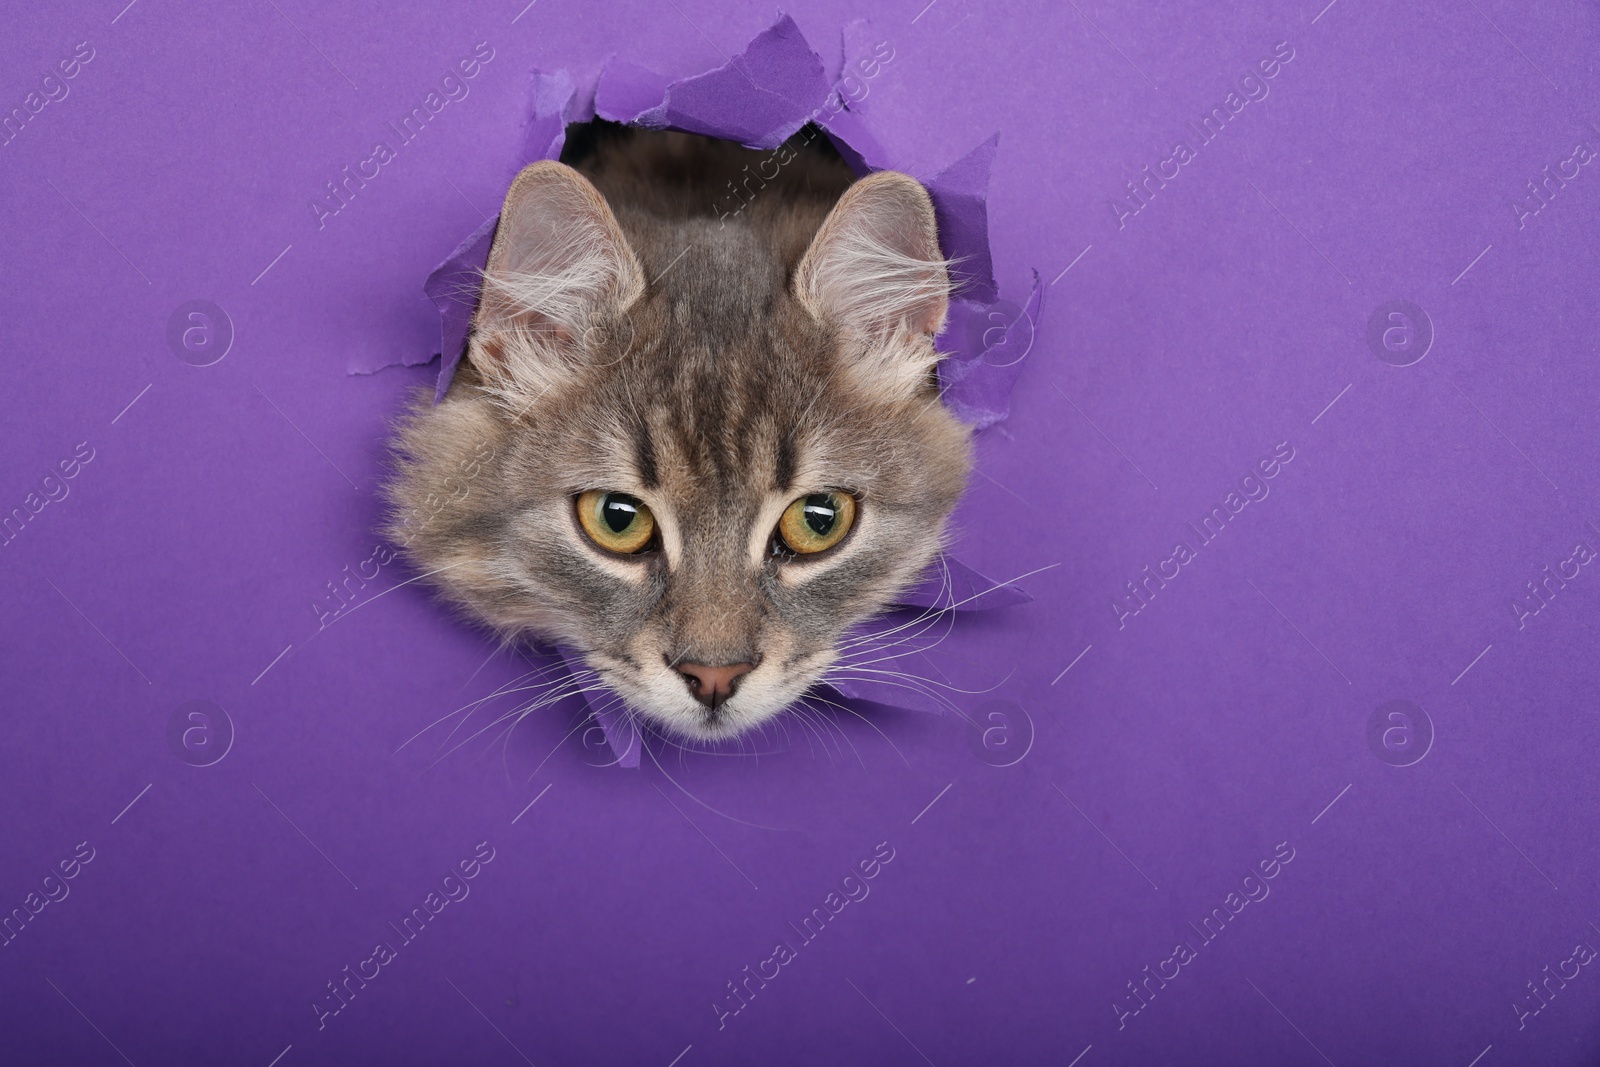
pixel 616 522
pixel 816 522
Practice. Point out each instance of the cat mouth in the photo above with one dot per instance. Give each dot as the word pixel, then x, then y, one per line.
pixel 714 722
pixel 702 711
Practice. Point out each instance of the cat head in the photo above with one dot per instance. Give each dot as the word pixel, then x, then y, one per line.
pixel 697 454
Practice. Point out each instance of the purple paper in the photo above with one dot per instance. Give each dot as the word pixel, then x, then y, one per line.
pixel 453 288
pixel 959 200
pixel 976 379
pixel 759 98
pixel 627 91
pixel 951 585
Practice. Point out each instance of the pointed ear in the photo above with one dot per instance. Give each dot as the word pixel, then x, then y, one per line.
pixel 875 269
pixel 559 266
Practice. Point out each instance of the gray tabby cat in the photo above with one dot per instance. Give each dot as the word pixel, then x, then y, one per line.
pixel 697 449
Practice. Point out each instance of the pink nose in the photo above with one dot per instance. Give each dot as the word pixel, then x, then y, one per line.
pixel 713 685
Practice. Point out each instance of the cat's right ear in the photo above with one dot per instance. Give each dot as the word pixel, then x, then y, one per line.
pixel 875 272
pixel 558 268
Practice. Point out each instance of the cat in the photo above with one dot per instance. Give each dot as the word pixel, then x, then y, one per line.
pixel 697 447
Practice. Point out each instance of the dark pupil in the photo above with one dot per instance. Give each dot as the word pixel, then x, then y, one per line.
pixel 820 513
pixel 619 511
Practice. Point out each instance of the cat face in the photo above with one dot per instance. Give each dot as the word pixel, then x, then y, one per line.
pixel 691 455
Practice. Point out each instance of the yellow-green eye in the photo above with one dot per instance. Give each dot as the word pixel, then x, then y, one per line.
pixel 616 522
pixel 816 522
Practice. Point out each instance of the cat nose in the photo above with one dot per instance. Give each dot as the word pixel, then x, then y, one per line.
pixel 712 685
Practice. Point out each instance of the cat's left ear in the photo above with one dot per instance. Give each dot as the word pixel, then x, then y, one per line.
pixel 559 266
pixel 874 270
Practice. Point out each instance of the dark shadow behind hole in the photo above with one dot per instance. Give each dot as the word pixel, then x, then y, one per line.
pixel 584 139
pixel 715 184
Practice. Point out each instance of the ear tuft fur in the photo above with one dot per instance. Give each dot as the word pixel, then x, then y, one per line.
pixel 559 266
pixel 875 271
pixel 875 264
